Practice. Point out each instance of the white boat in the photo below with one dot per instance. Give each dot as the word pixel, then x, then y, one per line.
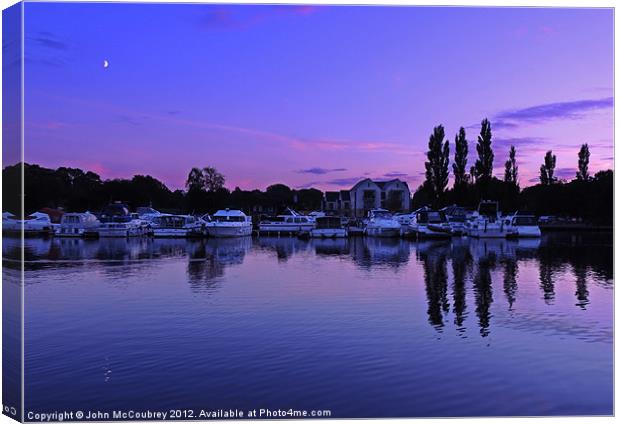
pixel 78 225
pixel 404 218
pixel 229 223
pixel 381 223
pixel 312 216
pixel 289 223
pixel 522 225
pixel 487 222
pixel 37 223
pixel 167 225
pixel 457 217
pixel 328 227
pixel 428 223
pixel 147 213
pixel 116 221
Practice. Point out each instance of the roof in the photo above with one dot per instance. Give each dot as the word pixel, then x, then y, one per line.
pixel 380 184
pixel 229 212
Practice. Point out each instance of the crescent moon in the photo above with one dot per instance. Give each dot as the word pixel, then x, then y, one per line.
pixel 106 63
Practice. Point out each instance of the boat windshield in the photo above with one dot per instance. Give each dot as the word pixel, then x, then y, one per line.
pixel 226 218
pixel 525 220
pixel 435 217
pixel 170 221
pixel 71 219
pixel 382 215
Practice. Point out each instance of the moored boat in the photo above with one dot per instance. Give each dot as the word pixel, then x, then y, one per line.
pixel 381 223
pixel 116 221
pixel 428 223
pixel 37 223
pixel 487 222
pixel 290 222
pixel 328 227
pixel 78 225
pixel 181 226
pixel 522 225
pixel 229 223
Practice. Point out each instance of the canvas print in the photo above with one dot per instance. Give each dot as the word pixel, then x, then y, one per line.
pixel 227 211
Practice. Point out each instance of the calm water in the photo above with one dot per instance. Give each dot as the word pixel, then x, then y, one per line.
pixel 364 327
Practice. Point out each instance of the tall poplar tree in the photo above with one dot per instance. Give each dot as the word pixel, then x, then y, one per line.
pixel 511 172
pixel 584 161
pixel 484 164
pixel 437 163
pixel 459 167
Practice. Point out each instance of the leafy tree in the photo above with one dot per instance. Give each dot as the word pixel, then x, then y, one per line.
pixel 459 167
pixel 195 180
pixel 584 161
pixel 511 172
pixel 547 169
pixel 438 156
pixel 484 164
pixel 213 180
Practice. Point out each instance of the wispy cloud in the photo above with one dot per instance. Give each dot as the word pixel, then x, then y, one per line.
pixel 49 40
pixel 559 110
pixel 395 174
pixel 226 18
pixel 320 171
pixel 344 182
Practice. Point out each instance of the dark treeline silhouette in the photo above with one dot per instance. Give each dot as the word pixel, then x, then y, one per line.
pixel 77 190
pixel 585 197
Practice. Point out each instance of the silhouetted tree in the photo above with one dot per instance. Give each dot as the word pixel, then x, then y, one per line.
pixel 195 180
pixel 484 164
pixel 459 167
pixel 437 164
pixel 547 169
pixel 213 180
pixel 584 161
pixel 511 173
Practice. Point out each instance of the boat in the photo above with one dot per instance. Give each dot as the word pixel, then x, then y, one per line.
pixel 328 227
pixel 522 225
pixel 290 222
pixel 116 221
pixel 37 223
pixel 147 213
pixel 381 223
pixel 78 225
pixel 229 223
pixel 456 216
pixel 312 216
pixel 428 223
pixel 486 222
pixel 182 226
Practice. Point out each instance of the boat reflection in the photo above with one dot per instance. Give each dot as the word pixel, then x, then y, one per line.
pixel 454 272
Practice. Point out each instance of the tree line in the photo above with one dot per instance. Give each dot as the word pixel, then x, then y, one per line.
pixel 76 190
pixel 587 197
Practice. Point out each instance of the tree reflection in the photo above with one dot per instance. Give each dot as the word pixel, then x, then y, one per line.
pixel 486 252
pixel 461 263
pixel 581 281
pixel 434 262
pixel 511 271
pixel 547 285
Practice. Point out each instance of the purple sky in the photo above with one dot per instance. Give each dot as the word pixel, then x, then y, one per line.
pixel 311 96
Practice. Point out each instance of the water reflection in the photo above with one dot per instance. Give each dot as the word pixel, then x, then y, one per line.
pixel 433 256
pixel 209 260
pixel 454 271
pixel 379 252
